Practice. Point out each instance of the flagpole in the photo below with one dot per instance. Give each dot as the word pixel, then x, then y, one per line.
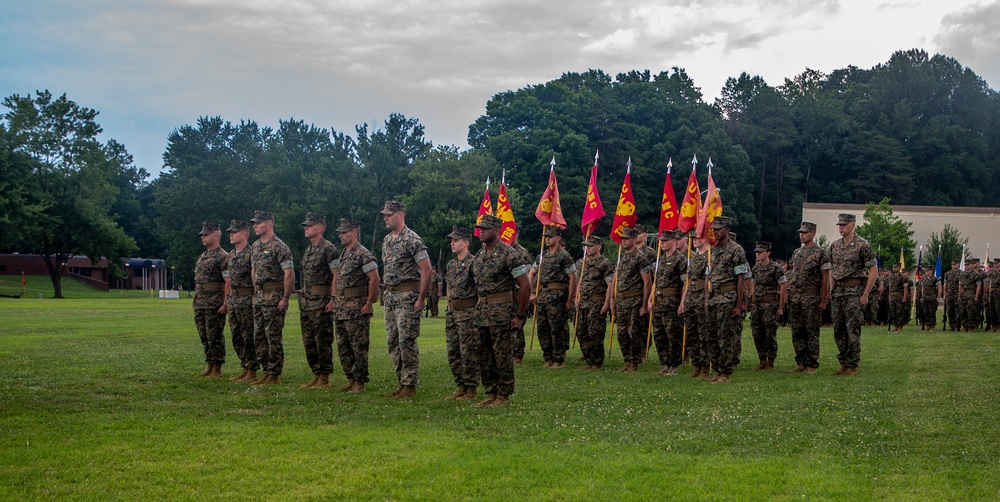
pixel 652 301
pixel 614 297
pixel 538 283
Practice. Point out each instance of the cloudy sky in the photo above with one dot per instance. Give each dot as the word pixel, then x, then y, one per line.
pixel 150 66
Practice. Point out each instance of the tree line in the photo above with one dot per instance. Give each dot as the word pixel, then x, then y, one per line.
pixel 917 129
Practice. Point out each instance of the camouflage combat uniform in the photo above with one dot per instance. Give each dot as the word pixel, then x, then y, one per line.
pixel 628 301
pixel 353 335
pixel 433 295
pixel 519 340
pixel 318 264
pixel 951 304
pixel 994 296
pixel 668 327
pixel 929 299
pixel 460 331
pixel 850 263
pixel 806 278
pixel 969 300
pixel 767 281
pixel 591 325
pixel 728 263
pixel 269 260
pixel 897 306
pixel 209 296
pixel 553 288
pixel 696 341
pixel 240 306
pixel 495 272
pixel 402 288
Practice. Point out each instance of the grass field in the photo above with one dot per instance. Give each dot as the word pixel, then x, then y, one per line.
pixel 99 400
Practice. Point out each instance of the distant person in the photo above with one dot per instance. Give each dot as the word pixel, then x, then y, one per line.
pixel 808 295
pixel 239 300
pixel 594 302
pixel 357 285
pixel 210 299
pixel 725 300
pixel 273 282
pixel 519 340
pixel 665 300
pixel 556 288
pixel 952 310
pixel 631 300
pixel 854 270
pixel 319 265
pixel 768 293
pixel 693 309
pixel 928 294
pixel 460 332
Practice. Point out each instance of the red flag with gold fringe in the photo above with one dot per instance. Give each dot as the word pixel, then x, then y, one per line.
pixel 593 210
pixel 549 211
pixel 625 213
pixel 485 207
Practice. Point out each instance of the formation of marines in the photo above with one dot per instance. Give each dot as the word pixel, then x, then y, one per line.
pixel 688 300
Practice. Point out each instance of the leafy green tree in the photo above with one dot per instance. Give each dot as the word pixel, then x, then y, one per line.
pixel 69 182
pixel 950 242
pixel 887 234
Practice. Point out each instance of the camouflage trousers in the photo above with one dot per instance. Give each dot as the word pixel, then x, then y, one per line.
pixel 806 318
pixel 496 359
pixel 929 311
pixel 591 326
pixel 720 337
pixel 519 343
pixel 432 305
pixel 352 347
pixel 994 309
pixel 764 327
pixel 317 337
pixel 553 332
pixel 402 327
pixel 211 330
pixel 897 312
pixel 871 312
pixel 847 321
pixel 953 311
pixel 631 333
pixel 738 338
pixel 695 342
pixel 268 322
pixel 463 347
pixel 241 327
pixel 971 313
pixel 668 331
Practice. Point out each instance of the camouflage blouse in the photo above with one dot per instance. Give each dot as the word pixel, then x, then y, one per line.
pixel 850 260
pixel 238 273
pixel 728 262
pixel 668 276
pixel 805 271
pixel 401 255
pixel 495 271
pixel 694 280
pixel 929 286
pixel 951 280
pixel 897 285
pixel 968 280
pixel 767 280
pixel 353 267
pixel 556 267
pixel 630 270
pixel 595 277
pixel 209 269
pixel 318 264
pixel 270 260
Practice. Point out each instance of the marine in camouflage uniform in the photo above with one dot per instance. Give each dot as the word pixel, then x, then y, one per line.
pixel 899 298
pixel 519 339
pixel 741 319
pixel 809 289
pixel 768 302
pixel 273 281
pixel 407 277
pixel 725 299
pixel 668 325
pixel 631 299
pixel 433 294
pixel 357 287
pixel 459 326
pixel 882 288
pixel 853 274
pixel 993 295
pixel 596 274
pixel 210 299
pixel 951 303
pixel 496 269
pixel 650 253
pixel 693 301
pixel 239 300
pixel 970 286
pixel 556 286
pixel 319 263
pixel 929 290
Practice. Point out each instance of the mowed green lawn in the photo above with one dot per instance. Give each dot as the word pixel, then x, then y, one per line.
pixel 99 400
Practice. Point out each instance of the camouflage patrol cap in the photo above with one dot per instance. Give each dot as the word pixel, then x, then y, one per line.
pixel 347 224
pixel 722 221
pixel 207 228
pixel 666 235
pixel 489 221
pixel 680 235
pixel 313 219
pixel 237 225
pixel 640 228
pixel 593 240
pixel 973 261
pixel 895 264
pixel 996 260
pixel 956 261
pixel 259 216
pixel 458 232
pixel 630 233
pixel 763 246
pixel 846 218
pixel 393 207
pixel 806 227
pixel 553 231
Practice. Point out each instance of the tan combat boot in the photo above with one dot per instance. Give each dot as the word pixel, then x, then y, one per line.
pixel 262 380
pixel 407 391
pixel 488 401
pixel 770 363
pixel 216 371
pixel 251 376
pixel 500 401
pixel 458 393
pixel 762 365
pixel 357 388
pixel 208 370
pixel 720 379
pixel 349 386
pixel 697 372
pixel 470 394
pixel 240 377
pixel 798 369
pixel 312 383
pixel 273 380
pixel 324 381
pixel 849 372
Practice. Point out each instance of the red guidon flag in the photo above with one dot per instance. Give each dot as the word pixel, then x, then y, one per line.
pixel 625 213
pixel 593 210
pixel 668 205
pixel 485 207
pixel 712 208
pixel 549 211
pixel 692 202
pixel 505 213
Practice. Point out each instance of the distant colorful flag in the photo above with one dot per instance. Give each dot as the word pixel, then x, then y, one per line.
pixel 593 210
pixel 549 211
pixel 668 204
pixel 506 214
pixel 937 266
pixel 961 263
pixel 625 213
pixel 902 259
pixel 920 263
pixel 485 207
pixel 711 209
pixel 691 205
